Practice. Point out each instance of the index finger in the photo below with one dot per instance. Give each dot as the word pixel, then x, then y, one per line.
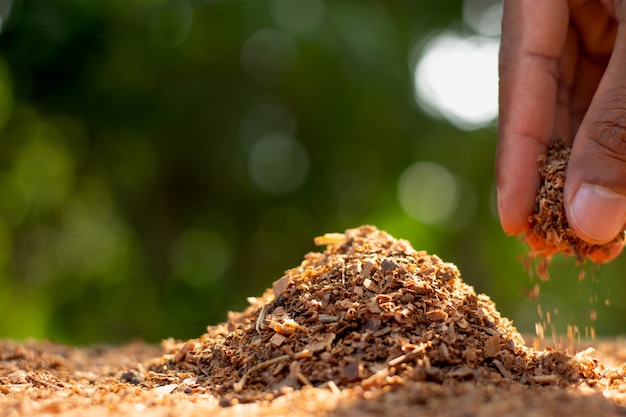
pixel 534 33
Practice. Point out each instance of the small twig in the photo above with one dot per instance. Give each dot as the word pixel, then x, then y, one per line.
pixel 333 387
pixel 407 356
pixel 238 386
pixel 45 383
pixel 505 372
pixel 375 378
pixel 545 379
pixel 303 379
pixel 260 319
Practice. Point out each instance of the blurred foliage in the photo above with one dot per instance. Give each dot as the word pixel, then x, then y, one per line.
pixel 161 160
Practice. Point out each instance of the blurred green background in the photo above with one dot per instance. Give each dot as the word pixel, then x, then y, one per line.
pixel 161 160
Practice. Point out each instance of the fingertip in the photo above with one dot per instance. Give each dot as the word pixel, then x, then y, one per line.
pixel 517 180
pixel 512 220
pixel 538 245
pixel 607 254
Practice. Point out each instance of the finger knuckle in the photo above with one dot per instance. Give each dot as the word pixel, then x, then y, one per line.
pixel 610 136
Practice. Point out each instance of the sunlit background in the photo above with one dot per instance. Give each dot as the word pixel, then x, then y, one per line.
pixel 161 160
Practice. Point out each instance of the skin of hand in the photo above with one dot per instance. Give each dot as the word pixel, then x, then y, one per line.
pixel 563 75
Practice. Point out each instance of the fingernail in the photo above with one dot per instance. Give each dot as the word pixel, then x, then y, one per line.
pixel 597 213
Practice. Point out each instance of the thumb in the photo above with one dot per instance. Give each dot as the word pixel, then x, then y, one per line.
pixel 595 189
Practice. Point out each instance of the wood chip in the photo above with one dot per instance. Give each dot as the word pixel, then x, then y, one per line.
pixel 545 379
pixel 492 346
pixel 327 318
pixel 502 369
pixel 165 389
pixel 436 315
pixel 329 239
pixel 277 339
pixel 182 353
pixel 280 285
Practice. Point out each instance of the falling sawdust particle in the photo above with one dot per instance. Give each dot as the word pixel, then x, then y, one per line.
pixel 549 224
pixel 370 313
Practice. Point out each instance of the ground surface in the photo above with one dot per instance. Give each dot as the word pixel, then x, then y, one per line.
pixel 368 327
pixel 51 379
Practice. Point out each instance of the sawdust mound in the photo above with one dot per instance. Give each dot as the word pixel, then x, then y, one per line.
pixel 548 221
pixel 368 312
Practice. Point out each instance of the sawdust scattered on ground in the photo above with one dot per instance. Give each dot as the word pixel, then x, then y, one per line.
pixel 368 326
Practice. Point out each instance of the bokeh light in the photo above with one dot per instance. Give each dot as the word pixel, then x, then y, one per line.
pixel 43 169
pixel 5 12
pixel 6 243
pixel 200 257
pixel 264 119
pixel 299 17
pixel 6 95
pixel 278 163
pixel 92 242
pixel 483 16
pixel 169 21
pixel 457 78
pixel 428 192
pixel 267 54
pixel 13 205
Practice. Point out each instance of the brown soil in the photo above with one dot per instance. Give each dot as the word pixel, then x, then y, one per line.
pixel 369 327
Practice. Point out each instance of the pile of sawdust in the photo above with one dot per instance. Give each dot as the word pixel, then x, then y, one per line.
pixel 549 222
pixel 370 312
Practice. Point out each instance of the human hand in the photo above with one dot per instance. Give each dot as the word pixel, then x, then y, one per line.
pixel 563 75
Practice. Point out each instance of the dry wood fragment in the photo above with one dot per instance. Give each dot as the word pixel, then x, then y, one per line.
pixel 165 389
pixel 280 285
pixel 260 318
pixel 462 372
pixel 277 339
pixel 182 353
pixel 492 346
pixel 437 315
pixel 502 369
pixel 545 379
pixel 327 318
pixel 329 239
pixel 238 386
